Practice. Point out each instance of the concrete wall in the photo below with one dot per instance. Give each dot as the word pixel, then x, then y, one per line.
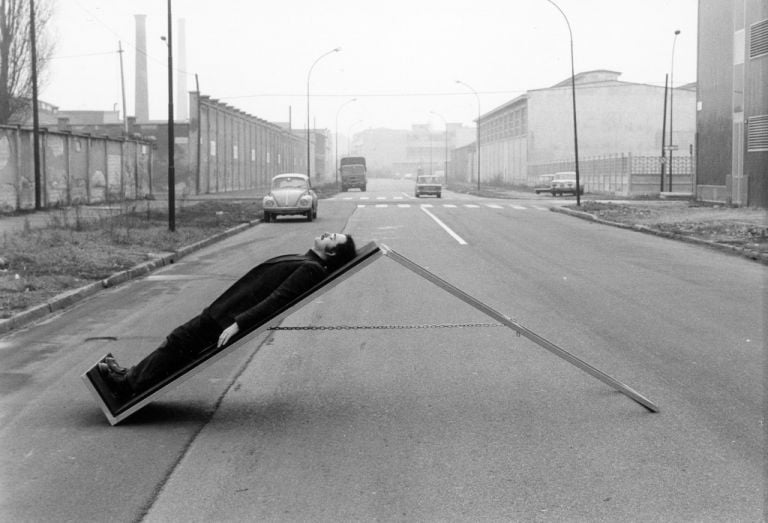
pixel 621 174
pixel 75 169
pixel 236 150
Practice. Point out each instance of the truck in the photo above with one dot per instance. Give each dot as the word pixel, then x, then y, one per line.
pixel 353 172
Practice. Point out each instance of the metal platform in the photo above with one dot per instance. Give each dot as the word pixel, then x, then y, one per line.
pixel 115 411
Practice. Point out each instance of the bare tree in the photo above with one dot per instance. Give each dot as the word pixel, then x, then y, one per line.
pixel 15 55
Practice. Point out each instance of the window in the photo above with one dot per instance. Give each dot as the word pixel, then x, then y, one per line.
pixel 758 39
pixel 757 133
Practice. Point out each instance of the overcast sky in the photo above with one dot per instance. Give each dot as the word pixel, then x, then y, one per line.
pixel 399 58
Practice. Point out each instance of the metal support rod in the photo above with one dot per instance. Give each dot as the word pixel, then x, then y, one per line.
pixel 501 318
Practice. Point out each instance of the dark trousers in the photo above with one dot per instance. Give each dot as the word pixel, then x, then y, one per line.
pixel 183 345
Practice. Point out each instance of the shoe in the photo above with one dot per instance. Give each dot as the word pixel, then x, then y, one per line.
pixel 114 367
pixel 118 385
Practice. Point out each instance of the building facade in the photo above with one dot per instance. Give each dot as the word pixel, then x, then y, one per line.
pixel 397 152
pixel 533 133
pixel 732 106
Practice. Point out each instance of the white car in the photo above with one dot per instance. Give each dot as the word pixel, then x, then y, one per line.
pixel 565 183
pixel 290 193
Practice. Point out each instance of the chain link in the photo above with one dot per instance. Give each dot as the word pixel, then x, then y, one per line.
pixel 383 327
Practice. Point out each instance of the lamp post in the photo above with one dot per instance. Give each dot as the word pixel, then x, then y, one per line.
pixel 349 136
pixel 309 163
pixel 336 155
pixel 445 122
pixel 478 129
pixel 573 91
pixel 671 105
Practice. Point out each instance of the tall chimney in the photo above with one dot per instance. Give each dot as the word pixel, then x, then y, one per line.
pixel 182 97
pixel 142 90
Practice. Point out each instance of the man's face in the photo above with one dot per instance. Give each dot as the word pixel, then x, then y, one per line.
pixel 328 241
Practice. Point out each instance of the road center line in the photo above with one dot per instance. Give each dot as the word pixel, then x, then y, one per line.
pixel 444 226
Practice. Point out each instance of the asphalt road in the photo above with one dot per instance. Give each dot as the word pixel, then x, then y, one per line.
pixel 438 423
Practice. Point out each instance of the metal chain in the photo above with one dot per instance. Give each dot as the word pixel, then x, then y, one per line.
pixel 381 327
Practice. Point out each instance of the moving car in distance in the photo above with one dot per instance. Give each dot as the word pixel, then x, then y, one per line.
pixel 353 173
pixel 428 184
pixel 544 183
pixel 565 183
pixel 290 193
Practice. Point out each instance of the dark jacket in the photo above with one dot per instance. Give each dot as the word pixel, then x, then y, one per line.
pixel 266 288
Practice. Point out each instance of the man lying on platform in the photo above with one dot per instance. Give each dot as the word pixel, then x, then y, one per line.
pixel 262 291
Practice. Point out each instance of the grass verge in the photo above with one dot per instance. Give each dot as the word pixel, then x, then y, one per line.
pixel 40 263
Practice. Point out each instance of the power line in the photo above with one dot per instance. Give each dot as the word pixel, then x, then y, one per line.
pixel 370 95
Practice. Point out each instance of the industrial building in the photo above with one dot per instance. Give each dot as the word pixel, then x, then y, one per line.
pixel 620 128
pixel 732 106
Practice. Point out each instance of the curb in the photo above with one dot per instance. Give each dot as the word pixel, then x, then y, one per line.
pixel 67 299
pixel 723 247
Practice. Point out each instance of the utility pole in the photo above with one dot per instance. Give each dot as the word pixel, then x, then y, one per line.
pixel 35 115
pixel 171 140
pixel 664 137
pixel 122 86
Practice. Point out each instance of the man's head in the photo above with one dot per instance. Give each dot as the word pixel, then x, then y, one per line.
pixel 335 249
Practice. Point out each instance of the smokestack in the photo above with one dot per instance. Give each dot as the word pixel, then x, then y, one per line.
pixel 142 90
pixel 182 97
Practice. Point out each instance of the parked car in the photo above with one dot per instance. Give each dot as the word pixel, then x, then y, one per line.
pixel 290 193
pixel 544 183
pixel 565 183
pixel 428 184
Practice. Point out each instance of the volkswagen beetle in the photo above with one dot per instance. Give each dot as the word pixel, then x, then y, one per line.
pixel 290 193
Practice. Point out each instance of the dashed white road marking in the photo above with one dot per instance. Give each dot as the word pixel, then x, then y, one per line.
pixel 518 207
pixel 449 206
pixel 494 206
pixel 471 206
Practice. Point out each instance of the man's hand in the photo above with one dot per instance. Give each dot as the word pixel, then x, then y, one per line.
pixel 227 334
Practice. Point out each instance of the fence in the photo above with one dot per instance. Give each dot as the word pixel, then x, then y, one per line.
pixel 74 168
pixel 622 175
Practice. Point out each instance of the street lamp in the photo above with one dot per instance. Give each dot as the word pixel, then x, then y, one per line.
pixel 573 91
pixel 171 139
pixel 349 136
pixel 309 163
pixel 336 156
pixel 445 122
pixel 478 129
pixel 671 105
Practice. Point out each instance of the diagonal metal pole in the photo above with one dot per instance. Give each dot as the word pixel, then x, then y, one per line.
pixel 504 320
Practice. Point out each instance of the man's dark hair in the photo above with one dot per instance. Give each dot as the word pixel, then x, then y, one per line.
pixel 343 253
